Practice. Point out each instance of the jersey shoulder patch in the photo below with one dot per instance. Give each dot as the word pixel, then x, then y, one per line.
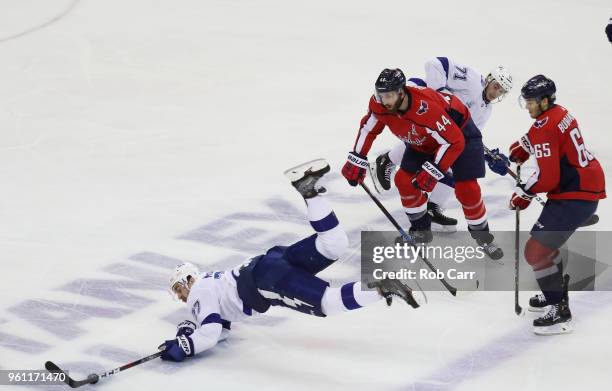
pixel 538 124
pixel 423 107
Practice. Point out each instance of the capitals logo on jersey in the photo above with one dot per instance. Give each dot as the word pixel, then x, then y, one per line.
pixel 540 123
pixel 422 108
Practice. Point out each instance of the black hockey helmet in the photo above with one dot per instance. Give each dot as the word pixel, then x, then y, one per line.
pixel 390 80
pixel 539 87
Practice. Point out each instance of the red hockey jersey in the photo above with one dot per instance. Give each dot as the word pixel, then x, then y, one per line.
pixel 565 167
pixel 430 125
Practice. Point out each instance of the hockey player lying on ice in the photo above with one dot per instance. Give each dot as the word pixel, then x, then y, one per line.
pixel 283 276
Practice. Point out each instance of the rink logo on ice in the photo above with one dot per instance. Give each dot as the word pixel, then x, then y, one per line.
pixel 127 286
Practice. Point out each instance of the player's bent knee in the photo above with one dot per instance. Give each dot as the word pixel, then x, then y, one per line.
pixel 333 243
pixel 403 183
pixel 540 256
pixel 467 192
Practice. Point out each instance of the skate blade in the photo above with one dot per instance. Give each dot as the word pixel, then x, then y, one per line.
pixel 559 328
pixel 536 309
pixel 435 227
pixel 420 297
pixel 297 172
pixel 374 179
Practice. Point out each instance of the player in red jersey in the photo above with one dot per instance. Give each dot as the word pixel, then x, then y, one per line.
pixel 574 182
pixel 439 135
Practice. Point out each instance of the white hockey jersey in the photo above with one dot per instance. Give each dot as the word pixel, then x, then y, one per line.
pixel 214 302
pixel 463 82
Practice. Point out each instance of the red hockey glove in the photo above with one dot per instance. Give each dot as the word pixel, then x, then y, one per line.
pixel 519 150
pixel 521 198
pixel 354 169
pixel 427 177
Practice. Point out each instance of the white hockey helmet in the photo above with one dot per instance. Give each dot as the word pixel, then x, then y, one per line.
pixel 180 275
pixel 502 76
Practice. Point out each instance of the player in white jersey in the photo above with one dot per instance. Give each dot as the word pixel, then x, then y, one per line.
pixel 283 276
pixel 478 93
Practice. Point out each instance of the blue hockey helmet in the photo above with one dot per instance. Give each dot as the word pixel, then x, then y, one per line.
pixel 390 80
pixel 539 87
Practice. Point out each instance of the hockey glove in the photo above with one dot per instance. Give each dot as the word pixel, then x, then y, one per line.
pixel 521 198
pixel 354 169
pixel 178 349
pixel 497 161
pixel 186 328
pixel 519 151
pixel 427 177
pixel 609 30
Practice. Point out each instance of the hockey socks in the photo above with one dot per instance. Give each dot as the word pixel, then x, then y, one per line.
pixel 550 281
pixel 320 214
pixel 548 269
pixel 331 241
pixel 347 298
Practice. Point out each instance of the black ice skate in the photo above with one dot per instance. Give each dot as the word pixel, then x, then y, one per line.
pixel 388 288
pixel 538 302
pixel 420 228
pixel 556 320
pixel 421 235
pixel 440 222
pixel 492 250
pixel 381 172
pixel 304 177
pixel 484 238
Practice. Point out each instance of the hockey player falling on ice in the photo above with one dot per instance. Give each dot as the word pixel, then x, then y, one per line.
pixel 478 93
pixel 439 134
pixel 283 276
pixel 574 183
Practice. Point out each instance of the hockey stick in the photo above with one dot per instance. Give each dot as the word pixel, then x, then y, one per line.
pixel 594 219
pixel 93 378
pixel 407 237
pixel 517 230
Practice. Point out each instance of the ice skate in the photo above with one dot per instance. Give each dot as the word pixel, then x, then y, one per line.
pixel 304 177
pixel 439 221
pixel 381 172
pixel 389 288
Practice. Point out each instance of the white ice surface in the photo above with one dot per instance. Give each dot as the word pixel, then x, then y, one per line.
pixel 127 124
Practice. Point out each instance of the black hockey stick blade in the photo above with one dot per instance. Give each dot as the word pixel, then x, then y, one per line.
pixel 518 309
pixel 91 379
